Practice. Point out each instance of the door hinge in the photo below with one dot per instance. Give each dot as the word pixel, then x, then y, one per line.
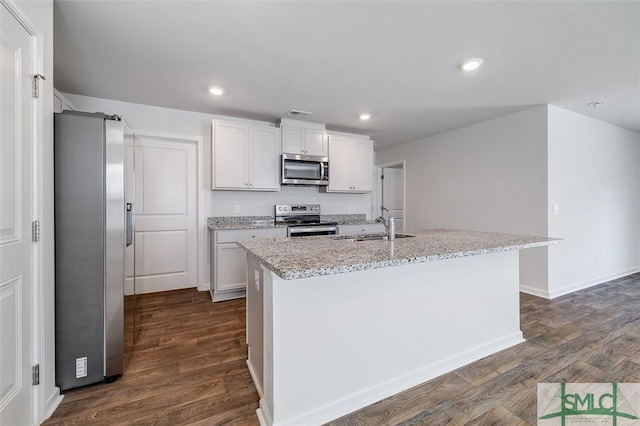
pixel 36 84
pixel 35 375
pixel 35 231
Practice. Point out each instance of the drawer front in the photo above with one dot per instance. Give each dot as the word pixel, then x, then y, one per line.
pixel 367 228
pixel 231 236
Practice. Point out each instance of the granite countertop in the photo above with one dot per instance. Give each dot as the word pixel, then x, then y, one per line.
pixel 294 258
pixel 259 222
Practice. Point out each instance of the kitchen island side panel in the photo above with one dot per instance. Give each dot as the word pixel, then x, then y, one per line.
pixel 334 344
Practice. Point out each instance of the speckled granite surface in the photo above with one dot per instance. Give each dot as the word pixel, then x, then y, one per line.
pixel 294 258
pixel 256 222
pixel 240 222
pixel 344 219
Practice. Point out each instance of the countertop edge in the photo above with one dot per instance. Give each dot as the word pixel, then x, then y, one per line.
pixel 317 272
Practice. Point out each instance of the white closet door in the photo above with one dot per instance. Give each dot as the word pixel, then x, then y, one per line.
pixel 166 214
pixel 16 214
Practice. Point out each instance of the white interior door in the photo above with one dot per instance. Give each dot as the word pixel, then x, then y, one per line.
pixel 393 194
pixel 166 214
pixel 16 213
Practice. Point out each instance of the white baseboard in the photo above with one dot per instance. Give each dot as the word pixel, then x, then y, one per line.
pixel 577 286
pixel 264 417
pixel 371 395
pixel 52 402
pixel 534 291
pixel 254 378
pixel 227 295
pixel 590 283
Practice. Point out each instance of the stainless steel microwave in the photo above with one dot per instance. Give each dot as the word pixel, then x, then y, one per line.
pixel 305 170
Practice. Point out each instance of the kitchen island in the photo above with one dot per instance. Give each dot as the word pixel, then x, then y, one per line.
pixel 335 324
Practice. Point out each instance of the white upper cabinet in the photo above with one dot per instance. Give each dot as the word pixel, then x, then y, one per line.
pixel 245 156
pixel 264 157
pixel 350 164
pixel 299 137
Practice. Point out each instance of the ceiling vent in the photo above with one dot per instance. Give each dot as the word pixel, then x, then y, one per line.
pixel 297 113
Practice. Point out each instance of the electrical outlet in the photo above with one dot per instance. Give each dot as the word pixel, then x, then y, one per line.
pixel 236 208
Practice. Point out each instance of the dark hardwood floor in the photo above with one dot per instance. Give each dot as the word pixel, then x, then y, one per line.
pixel 187 366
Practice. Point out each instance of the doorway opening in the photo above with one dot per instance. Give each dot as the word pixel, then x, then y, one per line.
pixel 390 191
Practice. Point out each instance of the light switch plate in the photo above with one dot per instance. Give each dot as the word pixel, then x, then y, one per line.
pixel 256 277
pixel 556 209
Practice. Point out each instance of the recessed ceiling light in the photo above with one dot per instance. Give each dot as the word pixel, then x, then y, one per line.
pixel 365 116
pixel 471 64
pixel 216 91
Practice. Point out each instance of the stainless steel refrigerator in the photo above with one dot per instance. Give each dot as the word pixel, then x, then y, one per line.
pixel 93 227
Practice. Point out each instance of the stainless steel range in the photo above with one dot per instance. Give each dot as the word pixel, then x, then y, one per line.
pixel 303 220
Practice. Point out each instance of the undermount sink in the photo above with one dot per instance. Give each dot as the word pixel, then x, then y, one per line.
pixel 369 237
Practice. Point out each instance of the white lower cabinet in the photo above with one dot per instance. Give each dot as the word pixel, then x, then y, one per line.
pixel 229 260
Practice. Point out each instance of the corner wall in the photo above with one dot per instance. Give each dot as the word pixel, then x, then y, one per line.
pixel 490 176
pixel 594 179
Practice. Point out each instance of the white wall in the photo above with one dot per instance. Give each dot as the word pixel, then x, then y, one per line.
pixel 594 178
pixel 145 117
pixel 40 13
pixel 489 176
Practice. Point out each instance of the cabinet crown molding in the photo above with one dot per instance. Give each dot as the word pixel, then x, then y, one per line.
pixel 242 121
pixel 300 123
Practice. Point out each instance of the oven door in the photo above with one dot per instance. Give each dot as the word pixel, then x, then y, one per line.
pixel 310 230
pixel 304 170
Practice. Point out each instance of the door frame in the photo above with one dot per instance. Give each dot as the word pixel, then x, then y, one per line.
pixel 378 188
pixel 37 356
pixel 201 222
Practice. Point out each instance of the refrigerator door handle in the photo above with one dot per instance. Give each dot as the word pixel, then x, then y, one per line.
pixel 129 224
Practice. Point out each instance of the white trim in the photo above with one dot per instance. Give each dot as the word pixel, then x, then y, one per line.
pixel 240 120
pixel 201 220
pixel 534 291
pixel 264 416
pixel 348 404
pixel 590 283
pixel 22 18
pixel 254 377
pixel 301 124
pixel 52 402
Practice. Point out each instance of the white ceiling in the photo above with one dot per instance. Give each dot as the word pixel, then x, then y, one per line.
pixel 396 60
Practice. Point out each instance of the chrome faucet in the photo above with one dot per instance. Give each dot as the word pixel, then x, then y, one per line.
pixel 389 225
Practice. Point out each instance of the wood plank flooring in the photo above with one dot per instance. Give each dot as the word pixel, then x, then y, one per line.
pixel 187 366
